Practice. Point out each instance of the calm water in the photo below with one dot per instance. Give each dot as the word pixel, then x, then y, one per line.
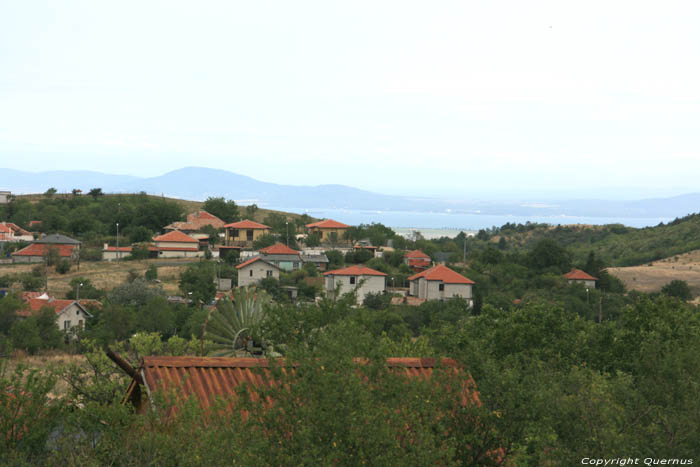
pixel 437 224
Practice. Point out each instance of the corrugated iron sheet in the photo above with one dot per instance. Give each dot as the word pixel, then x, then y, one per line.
pixel 209 378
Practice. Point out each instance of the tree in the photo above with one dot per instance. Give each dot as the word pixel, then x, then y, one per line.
pixel 679 289
pixel 50 192
pixel 264 241
pixel 135 293
pixel 151 273
pixel 63 266
pixel 335 259
pixel 548 253
pixel 251 211
pixel 226 210
pixel 197 282
pixel 213 234
pixel 95 193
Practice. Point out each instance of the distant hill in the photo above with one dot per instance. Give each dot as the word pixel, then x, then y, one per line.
pixel 616 245
pixel 197 183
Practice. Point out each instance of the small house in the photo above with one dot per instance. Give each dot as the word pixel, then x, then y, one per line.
pixel 330 231
pixel 244 233
pixel 70 313
pixel 66 248
pixel 576 276
pixel 113 253
pixel 417 260
pixel 282 256
pixel 176 244
pixel 254 270
pixel 195 222
pixel 440 283
pixel 361 279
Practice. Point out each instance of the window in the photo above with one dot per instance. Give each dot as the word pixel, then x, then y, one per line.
pixel 352 280
pixel 251 273
pixel 441 287
pixel 80 323
pixel 66 325
pixel 234 233
pixel 249 235
pixel 269 273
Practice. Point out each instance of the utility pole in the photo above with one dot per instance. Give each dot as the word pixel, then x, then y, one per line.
pixel 119 210
pixel 117 241
pixel 600 308
pixel 464 254
pixel 287 224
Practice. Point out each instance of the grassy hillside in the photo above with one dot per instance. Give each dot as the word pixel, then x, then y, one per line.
pixel 188 206
pixel 615 244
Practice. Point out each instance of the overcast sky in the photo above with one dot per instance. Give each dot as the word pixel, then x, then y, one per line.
pixel 481 98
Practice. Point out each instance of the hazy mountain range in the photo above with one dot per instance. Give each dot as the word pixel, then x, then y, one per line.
pixel 196 183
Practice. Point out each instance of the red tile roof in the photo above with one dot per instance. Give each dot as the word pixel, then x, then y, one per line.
pixel 34 223
pixel 254 259
pixel 416 254
pixel 577 274
pixel 197 220
pixel 121 248
pixel 211 378
pixel 4 228
pixel 328 224
pixel 246 224
pixel 40 249
pixel 17 229
pixel 278 249
pixel 36 304
pixel 442 273
pixel 354 271
pixel 176 236
pixel 172 248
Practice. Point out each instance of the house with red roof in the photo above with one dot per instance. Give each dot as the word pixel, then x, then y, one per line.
pixel 254 270
pixel 10 232
pixel 70 313
pixel 244 233
pixel 330 231
pixel 112 253
pixel 66 247
pixel 576 276
pixel 176 244
pixel 282 256
pixel 440 283
pixel 417 260
pixel 360 279
pixel 195 221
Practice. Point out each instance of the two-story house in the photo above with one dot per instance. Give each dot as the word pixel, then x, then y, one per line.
pixel 244 233
pixel 361 279
pixel 440 283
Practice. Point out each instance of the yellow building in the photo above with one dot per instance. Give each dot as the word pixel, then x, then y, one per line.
pixel 328 230
pixel 244 233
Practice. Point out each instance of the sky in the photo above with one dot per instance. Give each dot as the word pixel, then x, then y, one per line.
pixel 464 98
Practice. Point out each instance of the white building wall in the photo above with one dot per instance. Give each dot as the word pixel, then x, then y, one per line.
pixel 177 244
pixel 458 290
pixel 112 255
pixel 72 315
pixel 259 271
pixel 363 285
pixel 587 284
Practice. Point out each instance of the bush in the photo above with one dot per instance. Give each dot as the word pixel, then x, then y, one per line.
pixel 63 266
pixel 151 273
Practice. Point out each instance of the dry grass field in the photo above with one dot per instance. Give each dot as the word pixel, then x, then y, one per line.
pixel 107 274
pixel 651 277
pixel 45 362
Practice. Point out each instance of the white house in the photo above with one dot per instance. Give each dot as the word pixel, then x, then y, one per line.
pixel 576 276
pixel 71 314
pixel 254 270
pixel 440 283
pixel 176 244
pixel 361 279
pixel 111 253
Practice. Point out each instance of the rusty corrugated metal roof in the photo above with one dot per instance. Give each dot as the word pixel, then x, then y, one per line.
pixel 209 378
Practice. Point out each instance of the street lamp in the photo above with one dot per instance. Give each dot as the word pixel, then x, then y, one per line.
pixel 117 241
pixel 77 291
pixel 287 224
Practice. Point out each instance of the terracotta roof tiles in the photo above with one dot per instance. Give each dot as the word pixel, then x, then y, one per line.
pixel 176 236
pixel 443 274
pixel 328 224
pixel 246 224
pixel 354 271
pixel 577 274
